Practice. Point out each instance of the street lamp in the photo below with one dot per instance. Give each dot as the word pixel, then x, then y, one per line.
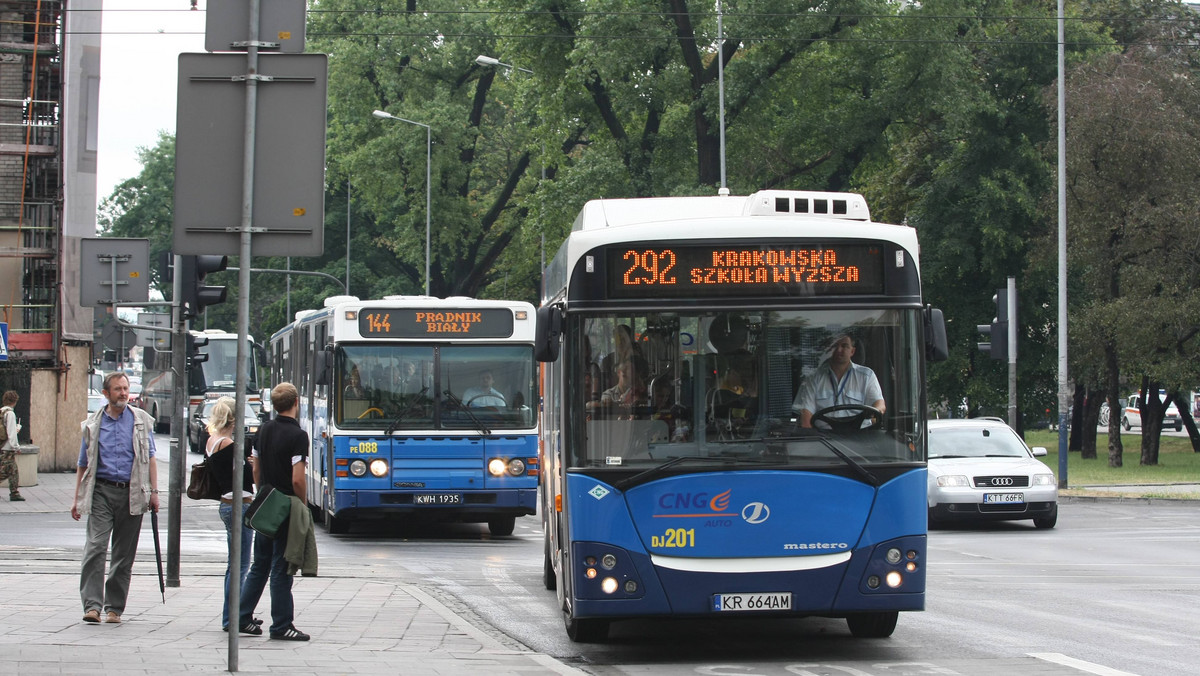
pixel 428 155
pixel 492 62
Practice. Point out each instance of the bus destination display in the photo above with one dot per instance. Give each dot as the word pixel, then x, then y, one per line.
pixel 431 323
pixel 771 270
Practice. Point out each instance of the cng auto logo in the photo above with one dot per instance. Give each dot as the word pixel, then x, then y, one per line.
pixel 756 512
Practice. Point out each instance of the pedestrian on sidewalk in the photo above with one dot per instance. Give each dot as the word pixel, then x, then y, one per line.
pixel 115 483
pixel 9 428
pixel 220 452
pixel 280 458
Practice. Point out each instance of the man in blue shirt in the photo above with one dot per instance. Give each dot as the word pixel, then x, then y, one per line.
pixel 484 395
pixel 115 483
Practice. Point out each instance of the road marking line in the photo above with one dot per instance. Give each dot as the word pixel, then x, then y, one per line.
pixel 1089 667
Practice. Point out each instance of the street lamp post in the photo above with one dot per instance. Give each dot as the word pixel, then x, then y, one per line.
pixel 428 186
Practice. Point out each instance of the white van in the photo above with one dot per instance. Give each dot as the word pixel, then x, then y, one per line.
pixel 1132 417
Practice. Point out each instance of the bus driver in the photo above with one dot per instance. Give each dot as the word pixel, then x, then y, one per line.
pixel 838 382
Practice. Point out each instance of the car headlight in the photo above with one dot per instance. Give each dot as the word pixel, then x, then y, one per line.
pixel 1043 480
pixel 956 480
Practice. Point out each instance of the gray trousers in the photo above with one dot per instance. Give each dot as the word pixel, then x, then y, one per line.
pixel 109 519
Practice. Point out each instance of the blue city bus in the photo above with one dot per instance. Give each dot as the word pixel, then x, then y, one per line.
pixel 390 394
pixel 680 476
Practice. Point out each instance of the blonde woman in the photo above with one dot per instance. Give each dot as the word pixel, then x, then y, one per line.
pixel 220 451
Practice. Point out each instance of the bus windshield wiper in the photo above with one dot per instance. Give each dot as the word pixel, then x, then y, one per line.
pixel 412 406
pixel 659 470
pixel 853 464
pixel 478 424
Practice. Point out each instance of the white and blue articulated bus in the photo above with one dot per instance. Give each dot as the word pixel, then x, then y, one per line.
pixel 418 408
pixel 734 412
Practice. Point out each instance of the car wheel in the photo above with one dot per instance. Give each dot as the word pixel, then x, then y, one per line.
pixel 1179 426
pixel 1125 423
pixel 1049 520
pixel 873 625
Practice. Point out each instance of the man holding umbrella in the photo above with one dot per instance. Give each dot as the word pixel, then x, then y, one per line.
pixel 115 483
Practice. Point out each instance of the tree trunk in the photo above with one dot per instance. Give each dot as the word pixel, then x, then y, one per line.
pixel 1189 422
pixel 1088 424
pixel 1152 409
pixel 1113 391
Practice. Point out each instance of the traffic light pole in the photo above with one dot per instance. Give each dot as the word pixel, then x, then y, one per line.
pixel 1012 352
pixel 179 440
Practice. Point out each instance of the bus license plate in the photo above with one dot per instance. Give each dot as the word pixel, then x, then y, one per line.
pixel 437 499
pixel 1002 498
pixel 750 602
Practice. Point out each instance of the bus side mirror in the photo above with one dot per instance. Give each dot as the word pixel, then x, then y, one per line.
pixel 324 362
pixel 936 347
pixel 547 339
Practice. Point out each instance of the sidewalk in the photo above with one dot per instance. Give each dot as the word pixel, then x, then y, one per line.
pixel 359 625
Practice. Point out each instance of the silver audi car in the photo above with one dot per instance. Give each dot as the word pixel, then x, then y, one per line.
pixel 980 469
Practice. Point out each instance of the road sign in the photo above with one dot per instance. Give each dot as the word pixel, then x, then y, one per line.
pixel 113 269
pixel 160 340
pixel 289 154
pixel 3 341
pixel 226 24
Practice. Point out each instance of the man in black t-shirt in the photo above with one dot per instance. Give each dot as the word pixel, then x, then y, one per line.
pixel 280 459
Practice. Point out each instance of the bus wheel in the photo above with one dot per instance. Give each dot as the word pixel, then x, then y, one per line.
pixel 336 525
pixel 502 525
pixel 585 631
pixel 549 579
pixel 873 625
pixel 161 426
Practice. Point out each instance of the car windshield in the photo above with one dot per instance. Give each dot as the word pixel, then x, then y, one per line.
pixel 975 442
pixel 735 385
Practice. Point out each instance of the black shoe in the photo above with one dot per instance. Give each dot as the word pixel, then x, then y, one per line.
pixel 250 628
pixel 290 634
pixel 255 621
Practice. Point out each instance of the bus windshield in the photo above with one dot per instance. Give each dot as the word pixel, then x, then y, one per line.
pixel 405 387
pixel 800 388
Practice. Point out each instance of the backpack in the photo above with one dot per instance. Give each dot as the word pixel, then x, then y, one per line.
pixel 4 425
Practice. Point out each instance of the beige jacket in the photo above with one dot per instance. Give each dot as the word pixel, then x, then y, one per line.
pixel 139 478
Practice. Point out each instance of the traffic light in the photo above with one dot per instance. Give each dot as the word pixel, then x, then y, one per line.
pixel 194 342
pixel 196 294
pixel 997 331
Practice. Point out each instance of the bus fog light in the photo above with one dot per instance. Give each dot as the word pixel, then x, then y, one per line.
pixel 894 579
pixel 911 567
pixel 358 468
pixel 516 467
pixel 912 555
pixel 873 582
pixel 630 587
pixel 608 562
pixel 590 573
pixel 893 556
pixel 608 585
pixel 496 467
pixel 379 467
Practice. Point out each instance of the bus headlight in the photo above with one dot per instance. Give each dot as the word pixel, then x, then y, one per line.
pixel 379 467
pixel 499 467
pixel 358 468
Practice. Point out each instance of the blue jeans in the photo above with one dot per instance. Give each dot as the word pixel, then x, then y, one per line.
pixel 269 563
pixel 226 512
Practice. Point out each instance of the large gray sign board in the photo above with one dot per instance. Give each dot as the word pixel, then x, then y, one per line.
pixel 289 155
pixel 227 22
pixel 113 269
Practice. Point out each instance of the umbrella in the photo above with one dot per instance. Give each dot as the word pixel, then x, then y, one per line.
pixel 162 584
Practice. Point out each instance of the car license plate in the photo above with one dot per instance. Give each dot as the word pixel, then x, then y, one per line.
pixel 1002 498
pixel 750 602
pixel 437 499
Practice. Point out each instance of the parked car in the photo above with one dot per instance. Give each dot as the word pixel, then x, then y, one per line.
pixel 1132 416
pixel 197 424
pixel 980 469
pixel 96 401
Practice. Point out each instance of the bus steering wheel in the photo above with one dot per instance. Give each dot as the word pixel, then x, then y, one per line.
pixel 851 423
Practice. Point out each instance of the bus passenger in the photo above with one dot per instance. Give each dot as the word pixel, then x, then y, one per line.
pixel 838 382
pixel 630 389
pixel 484 395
